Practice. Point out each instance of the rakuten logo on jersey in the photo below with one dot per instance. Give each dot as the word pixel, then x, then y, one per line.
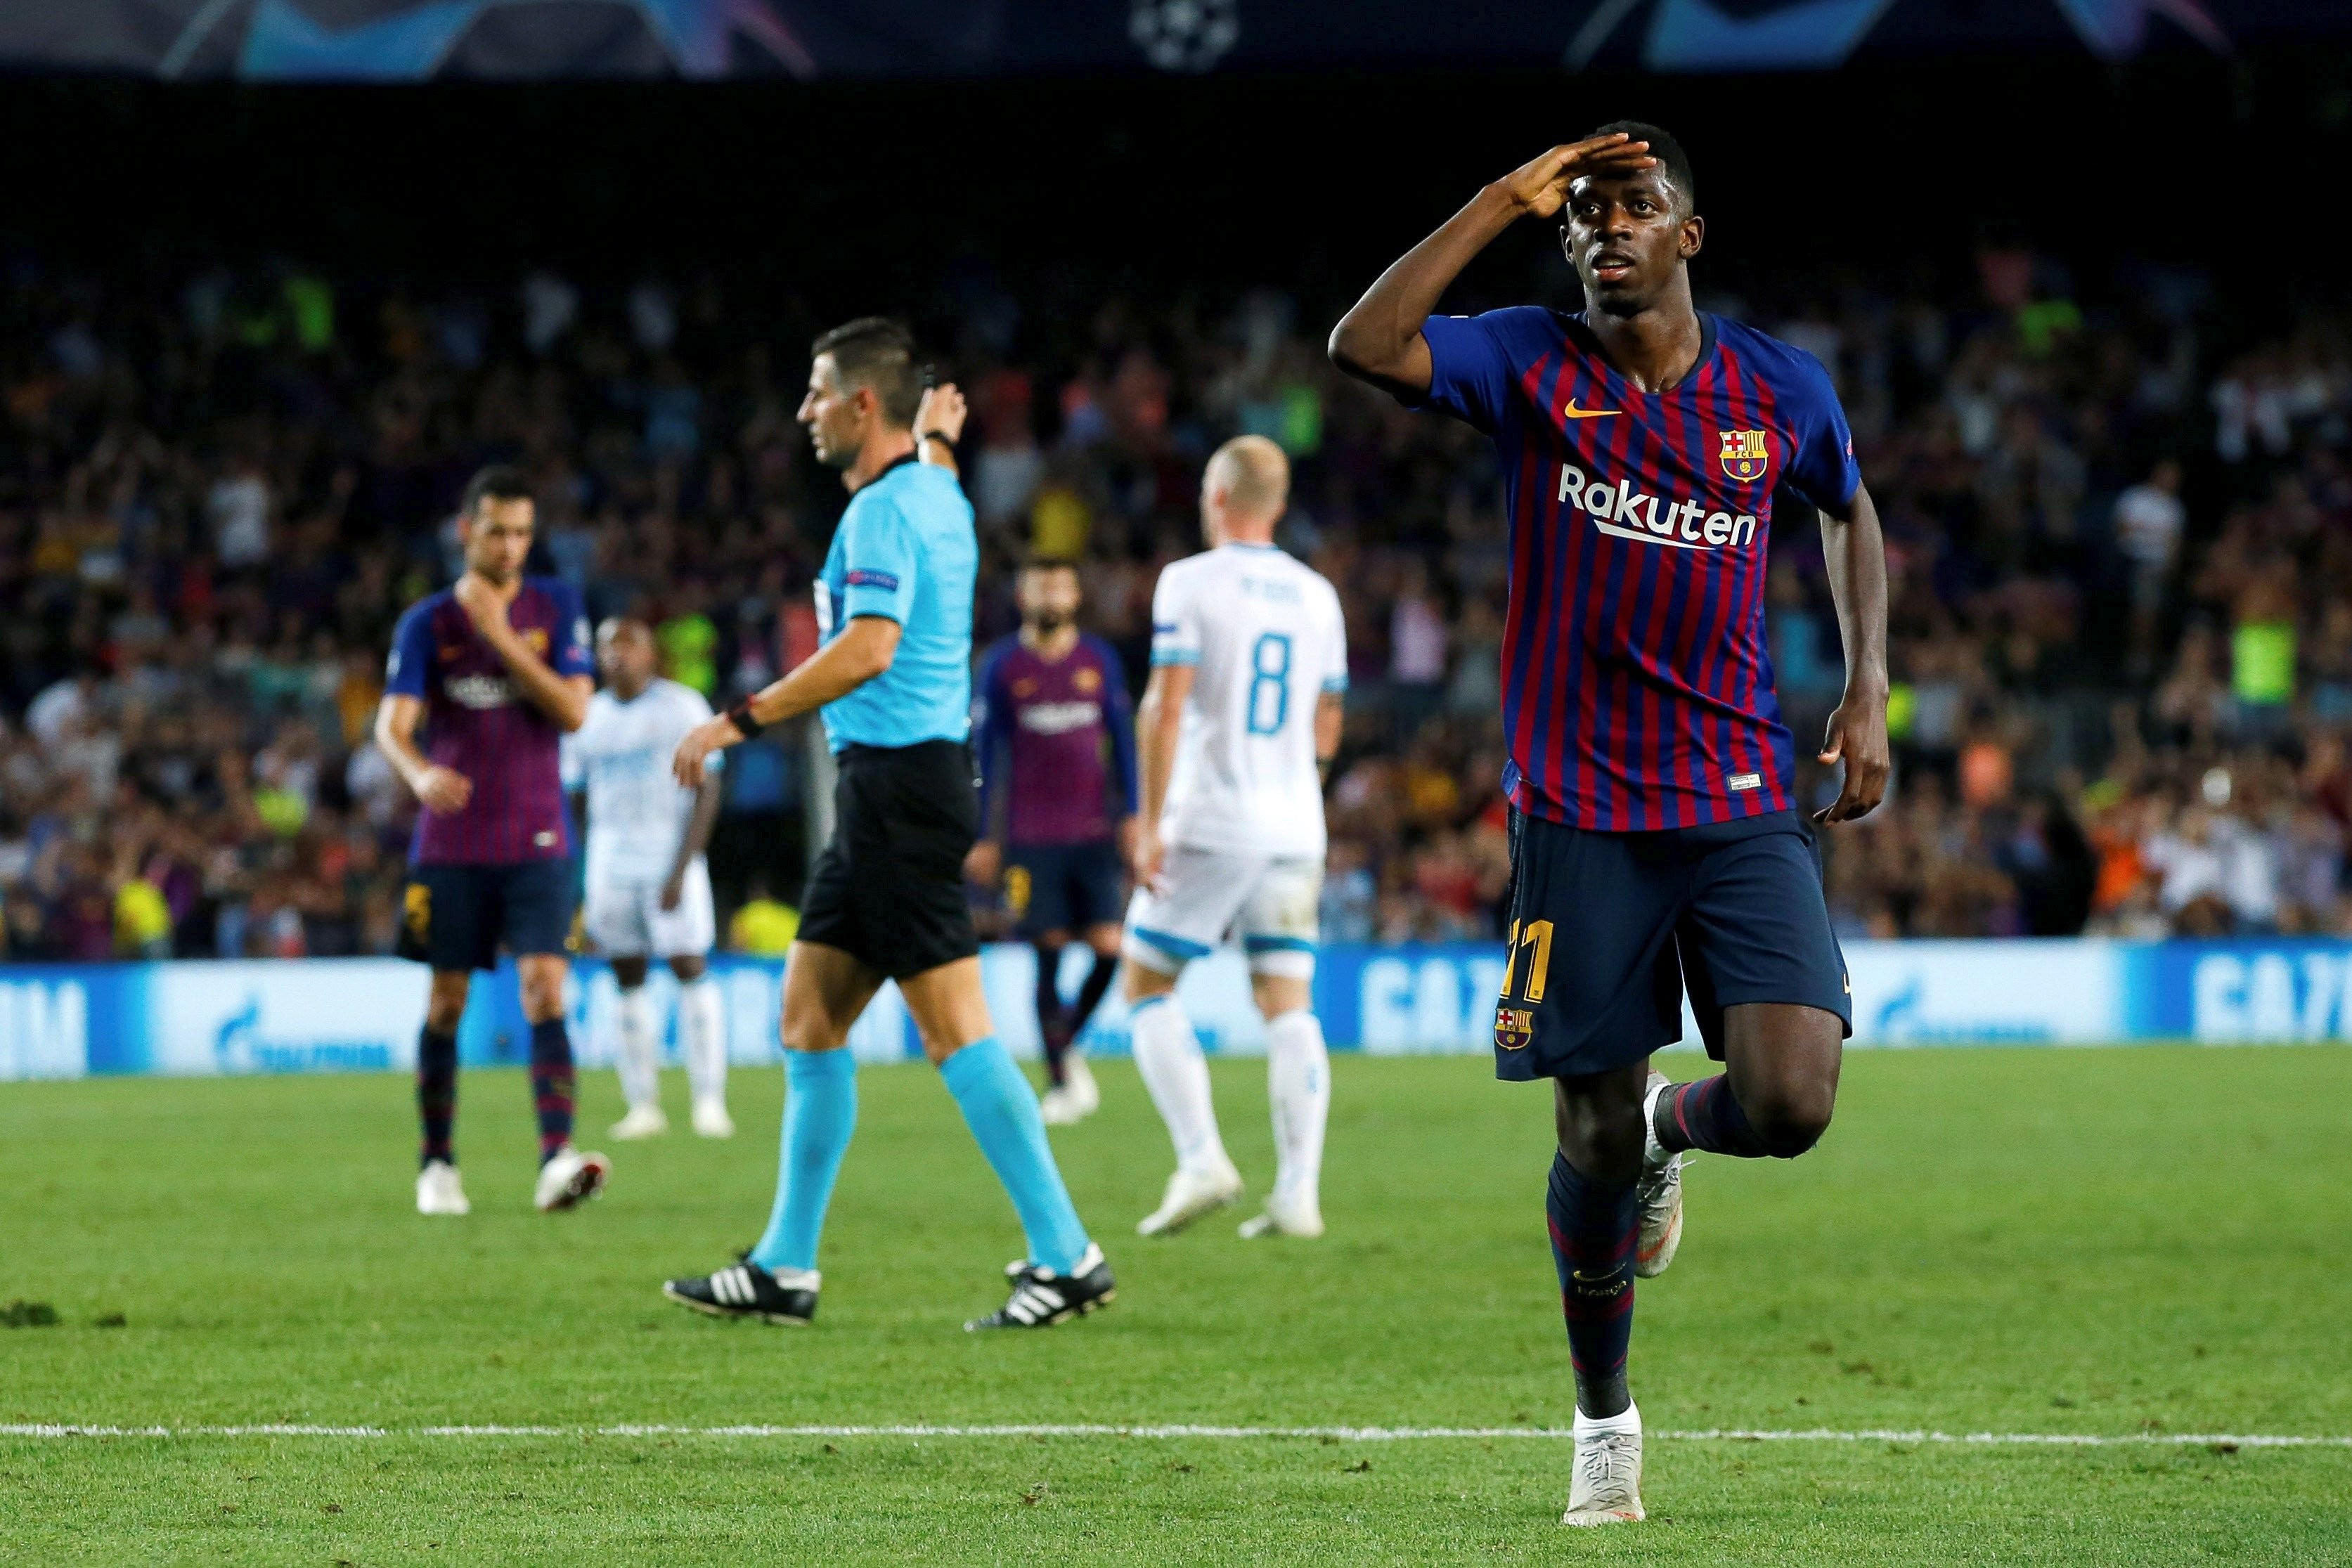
pixel 1622 510
pixel 1059 719
pixel 480 693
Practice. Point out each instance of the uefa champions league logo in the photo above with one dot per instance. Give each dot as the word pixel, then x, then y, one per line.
pixel 1184 34
pixel 239 1046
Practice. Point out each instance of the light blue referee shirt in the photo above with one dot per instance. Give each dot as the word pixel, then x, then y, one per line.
pixel 905 549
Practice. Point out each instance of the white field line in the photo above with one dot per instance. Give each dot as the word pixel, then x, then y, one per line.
pixel 1340 1434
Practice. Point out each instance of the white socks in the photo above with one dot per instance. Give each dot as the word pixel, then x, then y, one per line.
pixel 702 1039
pixel 701 1036
pixel 1628 1420
pixel 1168 1055
pixel 1299 1089
pixel 639 1059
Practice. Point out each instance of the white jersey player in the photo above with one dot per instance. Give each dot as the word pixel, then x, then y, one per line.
pixel 1249 660
pixel 649 886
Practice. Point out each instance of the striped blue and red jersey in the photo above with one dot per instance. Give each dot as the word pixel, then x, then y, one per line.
pixel 1055 739
pixel 1637 691
pixel 479 723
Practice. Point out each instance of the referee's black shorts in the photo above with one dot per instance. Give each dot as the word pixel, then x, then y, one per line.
pixel 888 889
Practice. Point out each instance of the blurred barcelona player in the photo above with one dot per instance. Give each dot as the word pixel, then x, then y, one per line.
pixel 485 680
pixel 1056 738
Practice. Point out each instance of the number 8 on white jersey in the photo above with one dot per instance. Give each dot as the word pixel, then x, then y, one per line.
pixel 1266 634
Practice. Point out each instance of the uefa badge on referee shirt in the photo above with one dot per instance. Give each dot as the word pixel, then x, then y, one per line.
pixel 1744 457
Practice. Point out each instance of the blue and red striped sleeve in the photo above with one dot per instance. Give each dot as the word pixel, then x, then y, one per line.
pixel 1119 719
pixel 408 672
pixel 1821 471
pixel 1476 361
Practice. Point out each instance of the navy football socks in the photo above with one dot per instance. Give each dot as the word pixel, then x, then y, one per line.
pixel 1090 994
pixel 552 1082
pixel 1594 1227
pixel 1705 1115
pixel 1053 1025
pixel 436 1095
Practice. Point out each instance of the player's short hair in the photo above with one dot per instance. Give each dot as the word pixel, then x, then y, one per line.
pixel 498 481
pixel 1666 150
pixel 878 354
pixel 1256 473
pixel 1037 561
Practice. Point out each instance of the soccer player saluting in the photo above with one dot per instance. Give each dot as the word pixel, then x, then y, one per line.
pixel 649 886
pixel 884 899
pixel 495 668
pixel 1654 847
pixel 1249 660
pixel 1050 699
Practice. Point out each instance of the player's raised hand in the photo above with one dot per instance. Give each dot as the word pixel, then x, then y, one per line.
pixel 1539 187
pixel 1858 736
pixel 479 601
pixel 444 790
pixel 942 410
pixel 701 741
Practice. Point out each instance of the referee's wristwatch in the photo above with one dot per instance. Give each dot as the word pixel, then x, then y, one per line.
pixel 740 716
pixel 937 436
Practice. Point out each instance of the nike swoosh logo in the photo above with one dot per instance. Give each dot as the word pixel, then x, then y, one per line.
pixel 1572 411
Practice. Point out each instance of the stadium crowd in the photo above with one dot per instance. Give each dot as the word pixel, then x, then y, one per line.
pixel 2121 561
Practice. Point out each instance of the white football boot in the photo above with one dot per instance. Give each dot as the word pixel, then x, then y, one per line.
pixel 641 1121
pixel 1074 1099
pixel 1285 1215
pixel 712 1120
pixel 438 1190
pixel 1607 1489
pixel 1658 1191
pixel 570 1178
pixel 1190 1194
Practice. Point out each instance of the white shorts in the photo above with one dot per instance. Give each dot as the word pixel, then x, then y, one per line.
pixel 1271 904
pixel 625 919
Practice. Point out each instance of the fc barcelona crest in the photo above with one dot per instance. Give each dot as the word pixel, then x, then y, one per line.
pixel 1513 1027
pixel 1744 458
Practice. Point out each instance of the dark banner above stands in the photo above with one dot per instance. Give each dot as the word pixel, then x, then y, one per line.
pixel 414 40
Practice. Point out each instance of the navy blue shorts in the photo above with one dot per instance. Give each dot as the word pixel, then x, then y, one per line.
pixel 1607 929
pixel 457 916
pixel 1065 887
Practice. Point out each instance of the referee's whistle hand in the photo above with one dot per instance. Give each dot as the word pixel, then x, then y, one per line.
pixel 701 741
pixel 942 412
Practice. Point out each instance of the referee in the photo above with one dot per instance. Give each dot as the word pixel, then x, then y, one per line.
pixel 892 677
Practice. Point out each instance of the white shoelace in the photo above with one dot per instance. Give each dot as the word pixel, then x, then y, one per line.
pixel 1604 1463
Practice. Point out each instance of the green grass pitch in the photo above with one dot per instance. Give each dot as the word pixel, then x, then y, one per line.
pixel 2145 1242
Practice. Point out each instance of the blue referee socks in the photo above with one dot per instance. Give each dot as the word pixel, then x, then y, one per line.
pixel 1001 1109
pixel 820 1113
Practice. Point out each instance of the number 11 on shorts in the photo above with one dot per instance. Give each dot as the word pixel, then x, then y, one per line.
pixel 1535 941
pixel 1514 1027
